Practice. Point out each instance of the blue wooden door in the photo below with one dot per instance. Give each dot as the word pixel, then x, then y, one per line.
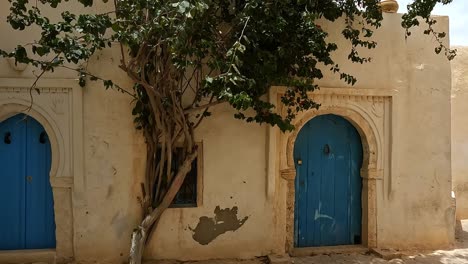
pixel 328 157
pixel 26 202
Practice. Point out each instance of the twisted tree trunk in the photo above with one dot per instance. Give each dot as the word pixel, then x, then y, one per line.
pixel 139 235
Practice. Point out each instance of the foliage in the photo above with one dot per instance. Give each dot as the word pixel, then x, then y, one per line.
pixel 423 9
pixel 185 56
pixel 243 46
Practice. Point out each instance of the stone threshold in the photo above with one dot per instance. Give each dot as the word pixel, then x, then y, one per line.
pixel 27 256
pixel 310 251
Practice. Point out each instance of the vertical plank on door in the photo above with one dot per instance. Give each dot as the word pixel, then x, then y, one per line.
pixel 328 183
pixel 40 224
pixel 12 183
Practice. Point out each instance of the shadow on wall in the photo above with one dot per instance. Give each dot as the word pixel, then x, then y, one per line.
pixel 461 234
pixel 209 228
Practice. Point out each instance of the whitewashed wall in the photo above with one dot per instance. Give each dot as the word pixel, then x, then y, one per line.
pixel 414 205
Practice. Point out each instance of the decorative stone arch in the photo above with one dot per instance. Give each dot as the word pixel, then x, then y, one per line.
pixel 368 139
pixel 58 109
pixel 368 170
pixel 369 111
pixel 12 107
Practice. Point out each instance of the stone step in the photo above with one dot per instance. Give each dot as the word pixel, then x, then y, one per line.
pixel 33 256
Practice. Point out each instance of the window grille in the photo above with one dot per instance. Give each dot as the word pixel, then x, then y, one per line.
pixel 187 195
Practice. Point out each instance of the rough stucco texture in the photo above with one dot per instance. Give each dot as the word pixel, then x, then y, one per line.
pixel 460 130
pixel 417 213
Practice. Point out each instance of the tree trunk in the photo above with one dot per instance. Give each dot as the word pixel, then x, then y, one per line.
pixel 140 233
pixel 138 244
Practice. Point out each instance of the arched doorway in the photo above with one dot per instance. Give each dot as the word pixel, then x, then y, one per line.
pixel 26 200
pixel 328 157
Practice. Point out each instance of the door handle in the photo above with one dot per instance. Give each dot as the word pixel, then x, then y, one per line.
pixel 43 137
pixel 29 178
pixel 326 149
pixel 7 138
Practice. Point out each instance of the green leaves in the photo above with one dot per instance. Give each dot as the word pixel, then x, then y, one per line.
pixel 40 50
pixel 230 51
pixel 108 84
pixel 182 6
pixel 421 10
pixel 82 79
pixel 86 2
pixel 20 54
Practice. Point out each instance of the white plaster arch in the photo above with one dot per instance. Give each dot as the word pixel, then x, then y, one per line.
pixel 362 123
pixel 13 106
pixel 376 132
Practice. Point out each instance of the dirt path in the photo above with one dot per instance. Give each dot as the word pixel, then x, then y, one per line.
pixel 459 255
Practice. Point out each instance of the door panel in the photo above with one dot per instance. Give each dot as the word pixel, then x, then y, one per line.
pixel 25 191
pixel 328 183
pixel 40 227
pixel 12 183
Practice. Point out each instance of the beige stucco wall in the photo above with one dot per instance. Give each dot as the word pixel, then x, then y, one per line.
pixel 414 205
pixel 460 130
pixel 414 195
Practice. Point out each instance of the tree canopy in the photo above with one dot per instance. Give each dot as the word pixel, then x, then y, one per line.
pixel 236 49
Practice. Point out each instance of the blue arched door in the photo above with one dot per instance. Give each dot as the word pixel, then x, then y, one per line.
pixel 328 157
pixel 26 203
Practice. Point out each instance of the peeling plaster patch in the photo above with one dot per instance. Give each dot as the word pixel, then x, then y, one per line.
pixel 208 228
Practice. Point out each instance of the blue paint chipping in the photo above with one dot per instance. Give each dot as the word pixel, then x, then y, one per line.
pixel 26 202
pixel 328 157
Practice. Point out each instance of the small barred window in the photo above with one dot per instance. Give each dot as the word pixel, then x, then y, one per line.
pixel 188 195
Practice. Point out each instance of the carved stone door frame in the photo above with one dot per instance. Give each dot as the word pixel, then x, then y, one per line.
pixel 59 109
pixel 370 111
